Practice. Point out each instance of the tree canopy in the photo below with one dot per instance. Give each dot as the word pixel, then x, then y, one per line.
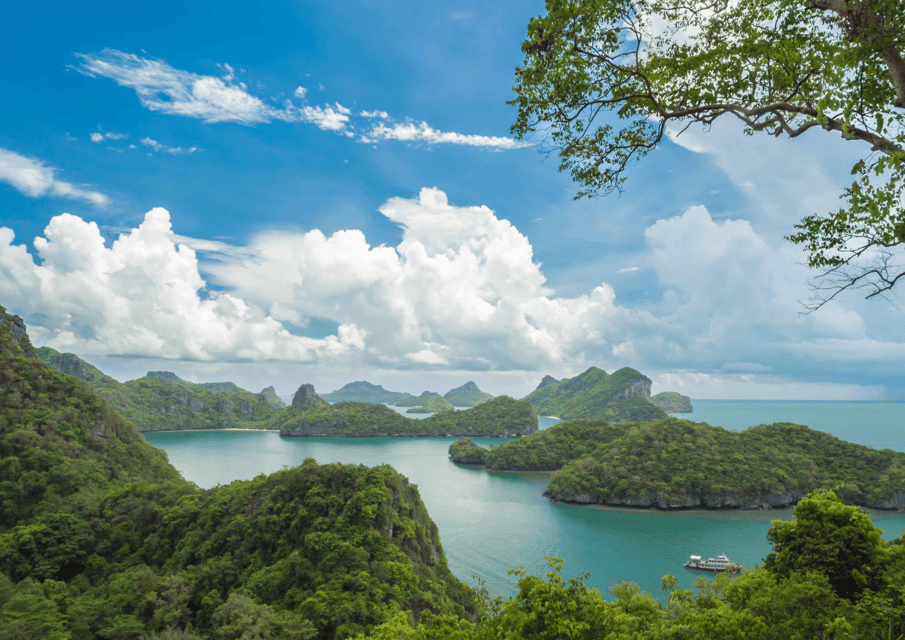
pixel 783 68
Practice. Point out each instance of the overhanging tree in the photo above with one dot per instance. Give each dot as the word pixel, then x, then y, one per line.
pixel 781 67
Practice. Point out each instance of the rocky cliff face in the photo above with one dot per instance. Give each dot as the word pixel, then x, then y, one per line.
pixel 638 387
pixel 306 397
pixel 690 501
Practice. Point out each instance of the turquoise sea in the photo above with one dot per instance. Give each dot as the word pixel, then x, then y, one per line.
pixel 493 522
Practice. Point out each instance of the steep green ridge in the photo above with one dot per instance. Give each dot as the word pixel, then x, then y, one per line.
pixel 675 463
pixel 435 404
pixel 59 442
pixel 501 417
pixel 672 402
pixel 161 401
pixel 101 538
pixel 622 396
pixel 468 395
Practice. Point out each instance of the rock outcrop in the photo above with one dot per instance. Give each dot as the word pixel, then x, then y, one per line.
pixel 306 397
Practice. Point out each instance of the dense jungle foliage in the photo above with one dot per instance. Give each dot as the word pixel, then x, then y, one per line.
pixel 550 449
pixel 676 459
pixel 673 460
pixel 154 404
pixel 832 577
pixel 621 396
pixel 101 538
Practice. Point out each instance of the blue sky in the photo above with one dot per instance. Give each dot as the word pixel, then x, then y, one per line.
pixel 326 192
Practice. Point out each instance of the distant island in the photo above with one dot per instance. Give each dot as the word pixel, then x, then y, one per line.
pixel 311 416
pixel 623 396
pixel 672 402
pixel 678 464
pixel 435 404
pixel 468 395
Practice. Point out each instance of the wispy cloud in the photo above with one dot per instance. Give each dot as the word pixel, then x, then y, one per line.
pixel 172 91
pixel 423 132
pixel 162 148
pixel 99 136
pixel 35 179
pixel 629 270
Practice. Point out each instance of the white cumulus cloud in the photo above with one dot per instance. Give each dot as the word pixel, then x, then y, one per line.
pixel 141 296
pixel 35 179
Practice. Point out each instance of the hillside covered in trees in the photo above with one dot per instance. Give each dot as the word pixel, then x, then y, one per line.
pixel 500 417
pixel 678 464
pixel 161 401
pixel 623 396
pixel 101 538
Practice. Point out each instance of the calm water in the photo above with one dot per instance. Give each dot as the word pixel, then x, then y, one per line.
pixel 493 522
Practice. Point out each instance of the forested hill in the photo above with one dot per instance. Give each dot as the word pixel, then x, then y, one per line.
pixel 500 417
pixel 622 396
pixel 677 464
pixel 101 538
pixel 161 401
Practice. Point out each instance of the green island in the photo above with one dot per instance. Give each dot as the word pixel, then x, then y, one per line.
pixel 621 396
pixel 435 404
pixel 500 417
pixel 672 402
pixel 101 538
pixel 468 395
pixel 678 464
pixel 363 391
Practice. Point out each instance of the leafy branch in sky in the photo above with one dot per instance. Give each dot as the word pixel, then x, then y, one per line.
pixel 783 68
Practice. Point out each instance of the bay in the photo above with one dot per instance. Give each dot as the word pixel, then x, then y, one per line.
pixel 493 522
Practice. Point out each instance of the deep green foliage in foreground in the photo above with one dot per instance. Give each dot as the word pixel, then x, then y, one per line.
pixel 795 596
pixel 60 444
pixel 676 458
pixel 101 538
pixel 153 404
pixel 672 402
pixel 498 417
pixel 596 394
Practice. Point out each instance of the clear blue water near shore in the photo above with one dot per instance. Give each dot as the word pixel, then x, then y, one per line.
pixel 492 522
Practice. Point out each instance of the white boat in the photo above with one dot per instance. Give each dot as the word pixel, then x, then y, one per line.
pixel 718 564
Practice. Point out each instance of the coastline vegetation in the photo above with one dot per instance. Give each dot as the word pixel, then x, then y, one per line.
pixel 676 463
pixel 101 538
